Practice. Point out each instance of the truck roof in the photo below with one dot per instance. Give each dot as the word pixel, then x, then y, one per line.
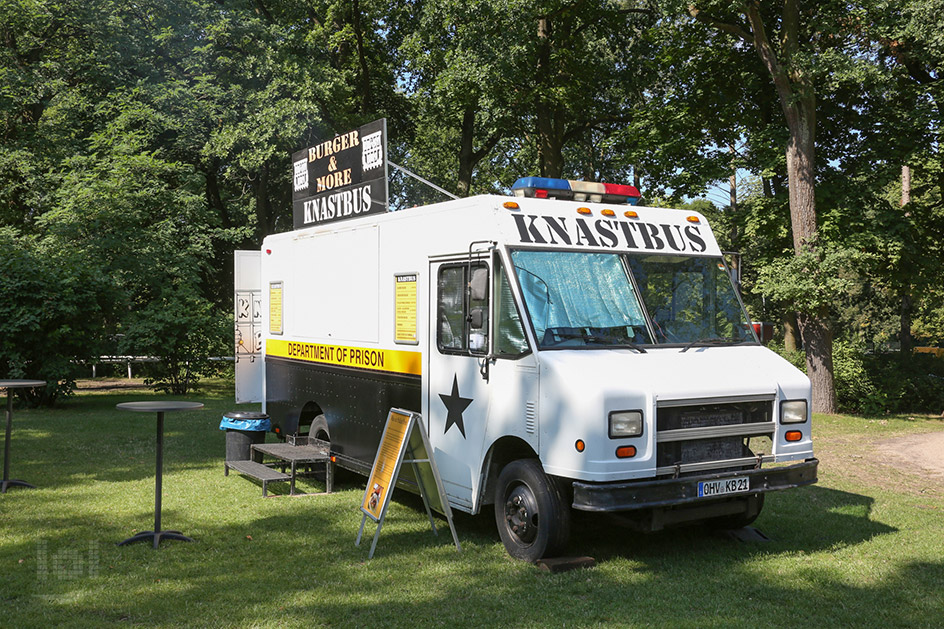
pixel 531 222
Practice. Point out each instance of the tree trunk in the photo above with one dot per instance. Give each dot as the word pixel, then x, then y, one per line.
pixel 364 77
pixel 905 185
pixel 466 152
pixel 819 365
pixel 264 219
pixel 550 138
pixel 904 335
pixel 801 161
pixel 791 332
pixel 768 188
pixel 798 101
pixel 801 166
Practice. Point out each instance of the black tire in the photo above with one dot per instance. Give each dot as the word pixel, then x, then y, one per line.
pixel 532 517
pixel 319 428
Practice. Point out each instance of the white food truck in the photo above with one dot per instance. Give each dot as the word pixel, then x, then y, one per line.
pixel 566 350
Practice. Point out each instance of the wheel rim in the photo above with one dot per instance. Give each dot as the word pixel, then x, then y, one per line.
pixel 521 514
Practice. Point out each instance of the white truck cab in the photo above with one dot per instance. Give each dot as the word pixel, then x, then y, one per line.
pixel 566 350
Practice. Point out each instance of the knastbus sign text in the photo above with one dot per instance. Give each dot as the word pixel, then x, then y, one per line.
pixel 341 178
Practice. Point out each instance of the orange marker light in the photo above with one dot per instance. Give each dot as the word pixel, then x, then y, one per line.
pixel 793 435
pixel 510 205
pixel 693 219
pixel 625 452
pixel 630 214
pixel 580 445
pixel 608 213
pixel 584 210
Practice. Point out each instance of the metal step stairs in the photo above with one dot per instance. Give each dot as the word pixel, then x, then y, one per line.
pixel 302 450
pixel 258 471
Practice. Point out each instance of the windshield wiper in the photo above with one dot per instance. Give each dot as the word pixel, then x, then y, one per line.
pixel 714 340
pixel 612 341
pixel 589 336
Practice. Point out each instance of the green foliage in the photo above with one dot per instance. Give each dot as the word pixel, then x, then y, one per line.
pixel 140 143
pixel 184 332
pixel 857 391
pixel 812 280
pixel 874 384
pixel 52 312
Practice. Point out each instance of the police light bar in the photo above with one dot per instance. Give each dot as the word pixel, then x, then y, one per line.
pixel 568 189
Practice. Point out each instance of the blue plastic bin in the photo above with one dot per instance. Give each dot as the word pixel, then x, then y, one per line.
pixel 242 430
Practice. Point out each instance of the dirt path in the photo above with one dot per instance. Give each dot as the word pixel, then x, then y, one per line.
pixel 923 453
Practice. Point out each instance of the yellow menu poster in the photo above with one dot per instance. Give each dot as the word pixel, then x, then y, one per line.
pixel 385 465
pixel 275 307
pixel 405 309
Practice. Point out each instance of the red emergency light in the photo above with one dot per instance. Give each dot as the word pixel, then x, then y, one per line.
pixel 569 189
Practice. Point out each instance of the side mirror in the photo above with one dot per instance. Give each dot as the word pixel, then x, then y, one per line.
pixel 478 284
pixel 477 318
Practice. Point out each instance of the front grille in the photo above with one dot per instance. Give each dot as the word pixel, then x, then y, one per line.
pixel 699 416
pixel 692 437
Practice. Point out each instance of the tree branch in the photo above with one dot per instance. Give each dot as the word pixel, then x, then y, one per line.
pixel 261 8
pixel 768 56
pixel 717 23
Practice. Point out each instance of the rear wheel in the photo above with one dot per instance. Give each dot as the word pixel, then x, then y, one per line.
pixel 533 519
pixel 319 428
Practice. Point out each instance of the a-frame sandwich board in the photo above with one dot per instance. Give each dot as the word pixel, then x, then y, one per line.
pixel 404 440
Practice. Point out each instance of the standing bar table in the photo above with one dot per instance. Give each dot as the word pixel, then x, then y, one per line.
pixel 13 384
pixel 160 408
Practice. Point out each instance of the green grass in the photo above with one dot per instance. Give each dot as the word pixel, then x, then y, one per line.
pixel 864 547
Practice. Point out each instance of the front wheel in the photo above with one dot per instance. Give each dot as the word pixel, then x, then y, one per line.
pixel 532 517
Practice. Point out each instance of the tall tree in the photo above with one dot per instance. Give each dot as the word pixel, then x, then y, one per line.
pixel 786 54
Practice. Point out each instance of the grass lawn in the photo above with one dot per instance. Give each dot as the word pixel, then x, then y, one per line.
pixel 863 548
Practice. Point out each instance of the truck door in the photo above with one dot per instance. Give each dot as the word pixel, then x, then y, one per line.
pixel 457 392
pixel 250 370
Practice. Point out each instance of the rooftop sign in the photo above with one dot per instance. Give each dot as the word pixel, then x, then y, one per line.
pixel 341 178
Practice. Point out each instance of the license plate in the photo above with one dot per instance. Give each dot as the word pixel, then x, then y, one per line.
pixel 711 488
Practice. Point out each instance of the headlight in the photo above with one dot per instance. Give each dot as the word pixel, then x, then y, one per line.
pixel 625 424
pixel 793 412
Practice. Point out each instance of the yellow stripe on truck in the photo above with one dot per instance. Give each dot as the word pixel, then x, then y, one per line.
pixel 389 360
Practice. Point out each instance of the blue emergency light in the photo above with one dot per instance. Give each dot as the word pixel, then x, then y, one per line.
pixel 568 189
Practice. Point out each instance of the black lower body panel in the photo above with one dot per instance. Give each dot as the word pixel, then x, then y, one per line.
pixel 629 496
pixel 355 402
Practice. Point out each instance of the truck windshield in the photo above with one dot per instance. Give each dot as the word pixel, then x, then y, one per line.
pixel 580 299
pixel 690 300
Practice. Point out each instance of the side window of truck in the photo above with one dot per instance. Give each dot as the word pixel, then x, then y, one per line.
pixel 463 309
pixel 510 340
pixel 451 309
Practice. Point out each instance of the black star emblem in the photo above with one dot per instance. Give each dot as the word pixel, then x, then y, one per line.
pixel 455 404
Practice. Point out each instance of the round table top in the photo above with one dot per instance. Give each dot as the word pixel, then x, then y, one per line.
pixel 159 406
pixel 21 384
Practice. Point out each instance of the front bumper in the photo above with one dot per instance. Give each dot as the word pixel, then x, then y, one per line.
pixel 671 492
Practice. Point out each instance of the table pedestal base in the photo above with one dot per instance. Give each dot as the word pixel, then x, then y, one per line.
pixel 156 537
pixel 15 483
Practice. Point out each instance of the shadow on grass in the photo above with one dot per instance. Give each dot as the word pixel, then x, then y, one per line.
pixel 809 520
pixel 292 561
pixel 88 437
pixel 304 570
